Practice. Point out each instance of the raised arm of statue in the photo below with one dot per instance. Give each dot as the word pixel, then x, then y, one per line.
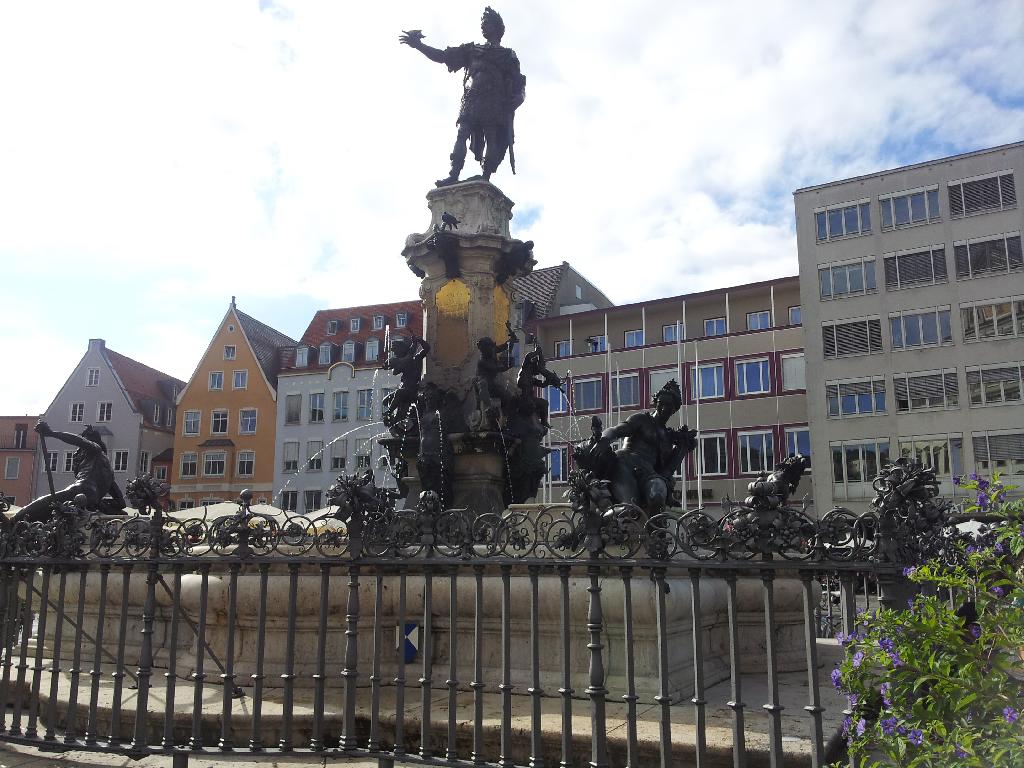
pixel 414 39
pixel 66 437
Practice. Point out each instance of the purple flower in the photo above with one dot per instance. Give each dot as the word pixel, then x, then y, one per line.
pixel 916 737
pixel 956 479
pixel 837 679
pixel 888 725
pixel 960 751
pixel 998 591
pixel 909 571
pixel 1022 530
pixel 846 725
pixel 886 644
pixel 1010 715
pixel 862 725
pixel 972 548
pixel 983 501
pixel 886 690
pixel 975 631
pixel 854 700
pixel 894 657
pixel 910 603
pixel 842 638
pixel 858 658
pixel 973 476
pixel 982 484
pixel 1000 548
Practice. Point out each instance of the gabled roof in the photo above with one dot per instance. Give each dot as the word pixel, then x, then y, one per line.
pixel 143 385
pixel 265 342
pixel 316 332
pixel 540 288
pixel 164 456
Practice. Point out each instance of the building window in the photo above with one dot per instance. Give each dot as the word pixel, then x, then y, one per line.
pixel 670 332
pixel 104 411
pixel 239 379
pixel 316 407
pixel 93 378
pixel 659 378
pixel 363 449
pixel 69 461
pixel 314 455
pixel 161 472
pixel 847 338
pixel 378 322
pixel 364 407
pixel 708 381
pixel 120 460
pixel 998 255
pixel 794 372
pixel 192 419
pixel 837 281
pixel 51 461
pixel 157 413
pixel 246 463
pixel 170 416
pixel 944 453
pixel 712 456
pixel 219 422
pixel 798 441
pixel 920 329
pixel 759 321
pixel 289 500
pixel 913 268
pixel 325 354
pixel 1001 451
pixel 290 454
pixel 859 397
pixel 626 390
pixel 311 499
pixel 995 384
pixel 714 326
pixel 843 220
pixel 77 412
pixel 188 465
pixel 926 390
pixel 339 410
pixel 247 421
pixel 915 206
pixel 597 343
pixel 558 465
pixel 353 325
pixel 332 327
pixel 339 454
pixel 292 409
pixel 229 351
pixel 855 465
pixel 757 453
pixel 401 319
pixel 556 400
pixel 579 291
pixel 588 395
pixel 563 348
pixel 348 352
pixel 216 380
pixel 143 462
pixel 752 377
pixel 795 316
pixel 993 320
pixel 372 349
pixel 634 339
pixel 301 357
pixel 982 195
pixel 12 468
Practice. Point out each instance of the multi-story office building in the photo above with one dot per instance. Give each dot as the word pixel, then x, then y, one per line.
pixel 17 458
pixel 130 404
pixel 912 286
pixel 738 355
pixel 330 391
pixel 224 437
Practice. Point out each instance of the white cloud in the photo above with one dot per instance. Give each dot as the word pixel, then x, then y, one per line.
pixel 158 159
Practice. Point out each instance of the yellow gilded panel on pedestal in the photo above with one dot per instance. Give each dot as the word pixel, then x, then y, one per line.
pixel 501 313
pixel 452 302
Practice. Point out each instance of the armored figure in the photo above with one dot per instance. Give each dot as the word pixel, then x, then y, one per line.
pixel 641 470
pixel 493 88
pixel 94 477
pixel 772 491
pixel 532 374
pixel 490 396
pixel 405 359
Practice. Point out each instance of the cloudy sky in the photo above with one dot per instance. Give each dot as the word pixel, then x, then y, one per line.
pixel 157 158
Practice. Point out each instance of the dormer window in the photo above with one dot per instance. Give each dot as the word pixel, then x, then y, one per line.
pixel 332 327
pixel 325 354
pixel 301 357
pixel 401 319
pixel 372 349
pixel 348 351
pixel 353 325
pixel 378 322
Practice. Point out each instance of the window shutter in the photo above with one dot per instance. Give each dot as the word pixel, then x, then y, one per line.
pixel 939 264
pixel 875 335
pixel 851 339
pixel 927 388
pixel 915 268
pixel 1013 252
pixel 892 279
pixel 981 195
pixel 952 388
pixel 956 200
pixel 1006 447
pixel 1009 191
pixel 980 443
pixel 828 339
pixel 902 399
pixel 963 263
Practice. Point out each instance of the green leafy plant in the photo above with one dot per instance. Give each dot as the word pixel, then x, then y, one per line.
pixel 941 682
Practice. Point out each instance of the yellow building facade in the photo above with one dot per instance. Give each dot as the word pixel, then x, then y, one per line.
pixel 226 416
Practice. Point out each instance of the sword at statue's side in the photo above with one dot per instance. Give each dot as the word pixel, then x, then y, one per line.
pixel 46 463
